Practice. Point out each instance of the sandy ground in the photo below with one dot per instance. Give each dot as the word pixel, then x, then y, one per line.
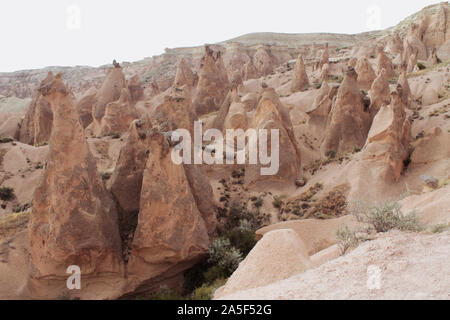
pixel 394 266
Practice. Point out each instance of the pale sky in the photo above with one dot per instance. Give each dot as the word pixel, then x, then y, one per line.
pixel 35 34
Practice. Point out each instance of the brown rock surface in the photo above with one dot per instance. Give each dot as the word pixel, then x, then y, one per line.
pixel 384 62
pixel 118 115
pixel 84 106
pixel 380 93
pixel 74 220
pixel 300 81
pixel 348 122
pixel 171 233
pixel 388 140
pixel 365 72
pixel 263 62
pixel 212 85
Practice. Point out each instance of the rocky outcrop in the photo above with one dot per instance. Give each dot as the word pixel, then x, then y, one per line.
pixel 263 62
pixel 135 89
pixel 184 75
pixel 387 144
pixel 212 85
pixel 406 90
pixel 110 91
pixel 432 58
pixel 348 122
pixel 74 220
pixel 118 115
pixel 318 115
pixel 384 62
pixel 437 27
pixel 300 81
pixel 324 58
pixel 365 72
pixel 250 101
pixel 412 62
pixel 126 181
pixel 84 107
pixel 219 120
pixel 413 38
pixel 380 93
pixel 394 45
pixel 171 235
pixel 36 127
pixel 272 114
pixel 249 71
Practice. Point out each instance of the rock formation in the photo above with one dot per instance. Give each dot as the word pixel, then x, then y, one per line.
pixel 135 89
pixel 432 58
pixel 413 38
pixel 318 115
pixel 387 144
pixel 271 114
pixel 74 220
pixel 110 91
pixel 300 81
pixel 84 107
pixel 118 115
pixel 324 58
pixel 212 84
pixel 219 120
pixel 171 235
pixel 406 90
pixel 384 62
pixel 184 75
pixel 348 122
pixel 380 93
pixel 262 266
pixel 126 181
pixel 37 124
pixel 394 45
pixel 412 62
pixel 365 72
pixel 263 62
pixel 249 71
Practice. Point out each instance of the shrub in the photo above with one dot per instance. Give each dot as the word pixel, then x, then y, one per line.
pixel 224 255
pixel 440 228
pixel 331 154
pixel 206 292
pixel 388 216
pixel 350 239
pixel 421 66
pixel 166 294
pixel 356 149
pixel 277 202
pixel 6 140
pixel 258 203
pixel 7 194
pixel 105 175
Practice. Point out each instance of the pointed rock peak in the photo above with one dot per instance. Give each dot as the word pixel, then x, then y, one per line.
pixel 301 80
pixel 135 88
pixel 116 64
pixel 184 74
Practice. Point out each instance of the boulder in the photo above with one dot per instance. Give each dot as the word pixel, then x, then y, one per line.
pixel 262 265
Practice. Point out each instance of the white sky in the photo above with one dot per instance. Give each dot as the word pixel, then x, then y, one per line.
pixel 35 34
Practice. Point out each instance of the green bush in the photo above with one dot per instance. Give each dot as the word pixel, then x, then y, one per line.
pixel 7 194
pixel 206 292
pixel 6 140
pixel 440 228
pixel 224 255
pixel 166 294
pixel 277 202
pixel 421 66
pixel 331 154
pixel 388 216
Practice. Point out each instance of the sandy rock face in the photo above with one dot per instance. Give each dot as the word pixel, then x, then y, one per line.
pixel 126 182
pixel 414 40
pixel 272 114
pixel 324 58
pixel 318 115
pixel 212 85
pixel 262 266
pixel 118 115
pixel 249 71
pixel 412 62
pixel 348 122
pixel 135 89
pixel 219 120
pixel 394 45
pixel 406 90
pixel 380 94
pixel 388 140
pixel 263 62
pixel 110 91
pixel 365 72
pixel 84 107
pixel 37 124
pixel 437 27
pixel 74 220
pixel 384 62
pixel 184 75
pixel 300 81
pixel 171 233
